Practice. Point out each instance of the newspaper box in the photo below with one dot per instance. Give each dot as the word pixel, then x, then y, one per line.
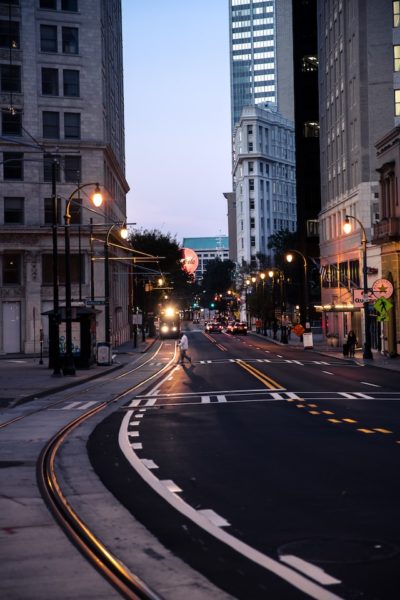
pixel 103 354
pixel 308 340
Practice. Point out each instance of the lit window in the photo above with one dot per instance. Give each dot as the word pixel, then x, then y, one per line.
pixel 396 13
pixel 309 64
pixel 397 103
pixel 396 58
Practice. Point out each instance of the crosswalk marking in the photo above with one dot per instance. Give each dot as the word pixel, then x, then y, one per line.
pixel 348 396
pixel 205 399
pixel 79 405
pixel 276 396
pixel 221 398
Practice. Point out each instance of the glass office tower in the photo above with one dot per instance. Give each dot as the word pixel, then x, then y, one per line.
pixel 261 55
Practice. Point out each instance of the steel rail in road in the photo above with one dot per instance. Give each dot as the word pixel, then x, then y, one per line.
pixel 126 582
pixel 84 390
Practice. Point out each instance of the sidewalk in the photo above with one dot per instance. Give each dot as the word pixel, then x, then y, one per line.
pixel 23 378
pixel 321 346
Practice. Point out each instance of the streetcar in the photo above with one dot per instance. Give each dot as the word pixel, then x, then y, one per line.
pixel 170 323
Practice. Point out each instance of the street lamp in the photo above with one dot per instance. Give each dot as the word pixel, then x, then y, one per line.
pixel 55 350
pixel 289 258
pixel 281 276
pixel 347 228
pixel 123 232
pixel 97 199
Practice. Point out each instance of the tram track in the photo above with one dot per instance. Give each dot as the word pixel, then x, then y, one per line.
pixel 92 548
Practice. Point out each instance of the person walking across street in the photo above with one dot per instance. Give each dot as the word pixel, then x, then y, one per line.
pixel 184 347
pixel 351 342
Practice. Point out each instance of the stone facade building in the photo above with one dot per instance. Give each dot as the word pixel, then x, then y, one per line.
pixel 61 95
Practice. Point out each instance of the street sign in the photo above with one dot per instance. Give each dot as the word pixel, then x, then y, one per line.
pixel 298 330
pixel 95 302
pixel 382 307
pixel 382 288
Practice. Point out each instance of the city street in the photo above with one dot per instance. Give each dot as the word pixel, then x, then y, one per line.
pixel 267 468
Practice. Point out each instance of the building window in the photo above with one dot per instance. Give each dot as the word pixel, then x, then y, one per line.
pixel 48 211
pixel 75 210
pixel 72 126
pixel 250 147
pixel 252 241
pixel 49 4
pixel 354 267
pixel 396 58
pixel 71 82
pixel 72 169
pixel 311 129
pixel 252 204
pixel 11 122
pixel 10 78
pixel 9 34
pixel 14 211
pixel 48 167
pixel 77 269
pixel 251 185
pixel 11 269
pixel 251 167
pixel 70 43
pixel 13 166
pixel 252 222
pixel 48 38
pixel 309 64
pixel 50 82
pixel 396 13
pixel 397 103
pixel 71 5
pixel 51 125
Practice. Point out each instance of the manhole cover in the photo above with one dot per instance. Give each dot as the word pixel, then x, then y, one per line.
pixel 326 550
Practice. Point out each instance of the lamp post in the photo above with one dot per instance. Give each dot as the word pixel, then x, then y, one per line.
pixel 55 321
pixel 289 258
pixel 124 234
pixel 97 199
pixel 281 276
pixel 248 282
pixel 367 340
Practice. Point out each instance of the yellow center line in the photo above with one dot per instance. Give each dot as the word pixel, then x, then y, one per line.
pixel 365 431
pixel 314 412
pixel 334 421
pixel 222 348
pixel 381 430
pixel 267 381
pixel 349 420
pixel 328 412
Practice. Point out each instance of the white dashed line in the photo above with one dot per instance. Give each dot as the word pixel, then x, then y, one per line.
pixel 371 384
pixel 327 372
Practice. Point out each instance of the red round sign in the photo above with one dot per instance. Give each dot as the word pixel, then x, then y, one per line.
pixel 189 260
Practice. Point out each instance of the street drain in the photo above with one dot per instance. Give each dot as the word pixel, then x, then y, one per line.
pixel 326 550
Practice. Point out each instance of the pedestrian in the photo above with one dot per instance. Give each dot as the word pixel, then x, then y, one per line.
pixel 351 342
pixel 183 348
pixel 258 325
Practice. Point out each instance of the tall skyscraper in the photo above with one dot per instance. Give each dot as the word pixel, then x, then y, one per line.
pixel 356 59
pixel 261 55
pixel 61 100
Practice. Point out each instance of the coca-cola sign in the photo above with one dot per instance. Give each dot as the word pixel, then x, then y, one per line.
pixel 189 260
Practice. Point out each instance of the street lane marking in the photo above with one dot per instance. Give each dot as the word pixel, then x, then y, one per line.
pixel 382 430
pixel 267 381
pixel 137 446
pixel 327 372
pixel 365 396
pixel 349 420
pixel 221 398
pixel 170 485
pixel 133 433
pixel 309 569
pixel 365 430
pixel 149 464
pixel 334 421
pixel 151 402
pixel 214 518
pixel 205 399
pixel 372 384
pixel 71 406
pixel 348 396
pixel 288 574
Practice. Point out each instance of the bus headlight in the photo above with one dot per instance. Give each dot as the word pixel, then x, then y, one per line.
pixel 164 328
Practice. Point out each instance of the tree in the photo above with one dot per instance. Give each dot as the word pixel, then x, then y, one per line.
pixel 217 279
pixel 155 243
pixel 282 241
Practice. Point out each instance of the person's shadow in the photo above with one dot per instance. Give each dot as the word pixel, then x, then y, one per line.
pixel 197 383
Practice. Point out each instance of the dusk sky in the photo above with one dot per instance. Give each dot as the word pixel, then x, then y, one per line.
pixel 177 115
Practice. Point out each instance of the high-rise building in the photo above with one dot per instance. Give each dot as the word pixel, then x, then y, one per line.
pixel 61 104
pixel 261 55
pixel 261 59
pixel 264 176
pixel 355 51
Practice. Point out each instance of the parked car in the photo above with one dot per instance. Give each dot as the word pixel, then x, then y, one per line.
pixel 237 328
pixel 214 327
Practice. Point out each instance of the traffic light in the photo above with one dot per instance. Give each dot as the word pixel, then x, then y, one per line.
pixel 212 305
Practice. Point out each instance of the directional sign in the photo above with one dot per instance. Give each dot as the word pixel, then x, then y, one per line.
pixel 382 288
pixel 95 302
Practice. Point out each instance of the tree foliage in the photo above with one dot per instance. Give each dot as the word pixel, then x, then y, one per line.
pixel 217 279
pixel 168 264
pixel 280 242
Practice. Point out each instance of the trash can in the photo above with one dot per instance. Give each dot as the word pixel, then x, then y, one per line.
pixel 104 358
pixel 345 349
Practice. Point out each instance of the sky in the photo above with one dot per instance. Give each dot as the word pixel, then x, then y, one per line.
pixel 177 115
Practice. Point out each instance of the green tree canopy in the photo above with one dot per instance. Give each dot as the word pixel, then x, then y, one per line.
pixel 217 279
pixel 166 247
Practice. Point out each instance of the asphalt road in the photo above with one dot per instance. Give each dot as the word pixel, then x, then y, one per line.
pixel 271 470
